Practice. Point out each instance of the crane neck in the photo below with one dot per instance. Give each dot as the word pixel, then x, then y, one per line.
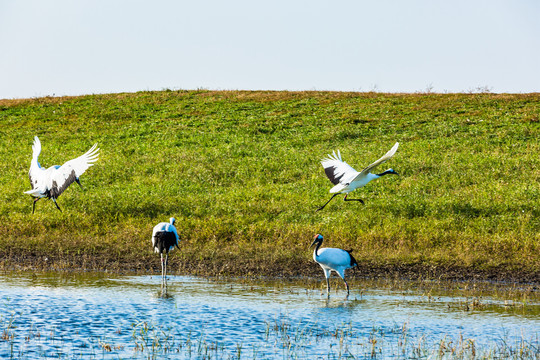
pixel 316 251
pixel 385 173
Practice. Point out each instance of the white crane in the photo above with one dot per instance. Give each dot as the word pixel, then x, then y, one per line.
pixel 332 259
pixel 347 179
pixel 164 239
pixel 53 181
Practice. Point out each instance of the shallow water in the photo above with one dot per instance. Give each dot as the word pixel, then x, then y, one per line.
pixel 93 316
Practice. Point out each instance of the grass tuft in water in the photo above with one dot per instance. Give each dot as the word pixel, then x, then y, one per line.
pixel 282 339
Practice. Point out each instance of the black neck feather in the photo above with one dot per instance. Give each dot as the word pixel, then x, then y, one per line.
pixel 317 248
pixel 385 173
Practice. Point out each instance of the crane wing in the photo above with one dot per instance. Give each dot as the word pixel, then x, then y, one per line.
pixel 35 168
pixel 162 232
pixel 173 229
pixel 337 170
pixel 66 174
pixel 386 157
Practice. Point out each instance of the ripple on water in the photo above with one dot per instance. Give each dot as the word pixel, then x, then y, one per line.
pixel 51 316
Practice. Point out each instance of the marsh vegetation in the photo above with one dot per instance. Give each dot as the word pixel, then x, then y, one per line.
pixel 240 171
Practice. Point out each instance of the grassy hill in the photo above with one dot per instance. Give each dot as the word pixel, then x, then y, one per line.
pixel 240 171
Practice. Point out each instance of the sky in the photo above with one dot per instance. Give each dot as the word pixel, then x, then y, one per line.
pixel 67 47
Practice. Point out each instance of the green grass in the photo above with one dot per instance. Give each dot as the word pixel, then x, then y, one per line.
pixel 240 171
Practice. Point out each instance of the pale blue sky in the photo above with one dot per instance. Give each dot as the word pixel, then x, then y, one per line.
pixel 69 47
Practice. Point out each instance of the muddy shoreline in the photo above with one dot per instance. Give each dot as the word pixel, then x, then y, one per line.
pixel 252 269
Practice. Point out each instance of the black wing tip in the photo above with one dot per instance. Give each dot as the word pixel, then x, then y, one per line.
pixel 353 260
pixel 331 174
pixel 164 240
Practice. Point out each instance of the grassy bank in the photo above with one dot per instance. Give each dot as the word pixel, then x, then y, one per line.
pixel 240 172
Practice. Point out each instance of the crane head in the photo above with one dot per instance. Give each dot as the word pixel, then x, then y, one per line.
pixel 388 172
pixel 317 239
pixel 172 220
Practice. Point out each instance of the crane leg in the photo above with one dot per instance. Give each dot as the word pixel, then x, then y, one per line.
pixel 333 196
pixel 58 207
pixel 166 260
pixel 162 269
pixel 345 199
pixel 78 182
pixel 327 276
pixel 347 285
pixel 34 205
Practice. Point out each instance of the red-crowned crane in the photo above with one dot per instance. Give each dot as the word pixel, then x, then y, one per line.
pixel 164 239
pixel 53 181
pixel 332 259
pixel 346 179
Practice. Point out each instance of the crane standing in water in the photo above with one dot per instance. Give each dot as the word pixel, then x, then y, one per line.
pixel 164 239
pixel 332 259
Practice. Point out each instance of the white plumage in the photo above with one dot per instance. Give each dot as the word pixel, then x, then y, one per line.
pixel 347 179
pixel 332 259
pixel 53 181
pixel 164 239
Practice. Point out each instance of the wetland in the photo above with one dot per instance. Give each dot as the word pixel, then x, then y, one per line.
pixel 104 316
pixel 241 173
pixel 447 252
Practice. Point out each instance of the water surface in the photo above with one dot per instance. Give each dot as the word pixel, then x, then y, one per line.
pixel 95 316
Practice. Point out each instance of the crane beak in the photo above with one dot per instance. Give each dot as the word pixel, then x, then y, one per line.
pixel 314 242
